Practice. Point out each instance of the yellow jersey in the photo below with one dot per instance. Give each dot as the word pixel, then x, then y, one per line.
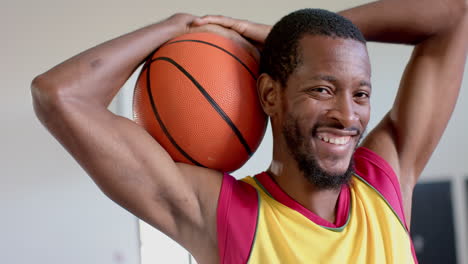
pixel 260 223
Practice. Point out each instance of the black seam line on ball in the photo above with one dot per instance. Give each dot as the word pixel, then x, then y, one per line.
pixel 212 102
pixel 220 48
pixel 161 124
pixel 140 75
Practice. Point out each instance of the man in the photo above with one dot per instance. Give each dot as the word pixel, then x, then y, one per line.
pixel 312 205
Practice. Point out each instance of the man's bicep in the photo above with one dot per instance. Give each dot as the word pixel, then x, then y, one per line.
pixel 426 98
pixel 409 133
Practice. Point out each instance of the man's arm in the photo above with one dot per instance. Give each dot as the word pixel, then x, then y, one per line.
pixel 409 133
pixel 128 165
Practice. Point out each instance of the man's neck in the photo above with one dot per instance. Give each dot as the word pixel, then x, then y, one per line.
pixel 292 181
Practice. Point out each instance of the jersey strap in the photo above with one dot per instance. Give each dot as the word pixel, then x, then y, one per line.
pixel 237 217
pixel 377 173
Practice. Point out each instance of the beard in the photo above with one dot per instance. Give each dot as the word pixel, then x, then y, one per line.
pixel 299 146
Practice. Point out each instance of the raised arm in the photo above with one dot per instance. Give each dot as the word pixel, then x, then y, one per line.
pixel 128 165
pixel 409 133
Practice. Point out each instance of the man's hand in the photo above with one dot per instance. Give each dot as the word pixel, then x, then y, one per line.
pixel 254 32
pixel 230 34
pixel 182 21
pixel 186 23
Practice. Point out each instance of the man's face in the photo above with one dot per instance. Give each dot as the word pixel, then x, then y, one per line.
pixel 325 107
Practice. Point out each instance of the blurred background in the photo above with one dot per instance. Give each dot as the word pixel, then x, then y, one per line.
pixel 51 211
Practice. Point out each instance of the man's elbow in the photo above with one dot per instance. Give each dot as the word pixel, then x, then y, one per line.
pixel 457 12
pixel 46 97
pixel 450 15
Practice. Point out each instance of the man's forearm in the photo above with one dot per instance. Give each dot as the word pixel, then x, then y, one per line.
pixel 403 21
pixel 97 74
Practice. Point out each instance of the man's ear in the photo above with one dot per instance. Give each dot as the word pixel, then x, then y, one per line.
pixel 269 92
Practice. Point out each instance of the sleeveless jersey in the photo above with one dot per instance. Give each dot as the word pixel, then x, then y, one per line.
pixel 260 223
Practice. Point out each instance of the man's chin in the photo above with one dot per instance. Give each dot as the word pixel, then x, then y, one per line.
pixel 335 173
pixel 335 169
pixel 326 178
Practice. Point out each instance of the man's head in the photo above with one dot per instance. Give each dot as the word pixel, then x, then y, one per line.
pixel 281 53
pixel 315 86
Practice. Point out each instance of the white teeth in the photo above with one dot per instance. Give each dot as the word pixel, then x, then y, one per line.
pixel 336 140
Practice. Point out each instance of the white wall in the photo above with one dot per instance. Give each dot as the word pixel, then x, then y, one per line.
pixel 50 211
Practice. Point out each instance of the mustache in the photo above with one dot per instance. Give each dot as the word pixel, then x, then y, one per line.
pixel 339 126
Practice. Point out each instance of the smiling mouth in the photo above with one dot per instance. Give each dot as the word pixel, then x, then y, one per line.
pixel 336 140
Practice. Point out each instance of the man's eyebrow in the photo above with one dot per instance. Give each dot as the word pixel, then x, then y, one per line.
pixel 330 78
pixel 365 83
pixel 321 77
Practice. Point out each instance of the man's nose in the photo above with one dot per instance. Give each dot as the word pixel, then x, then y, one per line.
pixel 343 110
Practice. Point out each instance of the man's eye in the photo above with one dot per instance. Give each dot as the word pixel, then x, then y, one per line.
pixel 321 90
pixel 362 95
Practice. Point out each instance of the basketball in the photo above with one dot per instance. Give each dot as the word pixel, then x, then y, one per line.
pixel 196 95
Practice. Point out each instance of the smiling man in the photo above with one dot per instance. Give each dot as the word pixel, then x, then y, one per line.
pixel 323 199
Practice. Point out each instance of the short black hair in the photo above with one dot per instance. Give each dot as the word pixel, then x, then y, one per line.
pixel 280 55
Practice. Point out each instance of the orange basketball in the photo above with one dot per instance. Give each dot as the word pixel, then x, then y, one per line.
pixel 197 97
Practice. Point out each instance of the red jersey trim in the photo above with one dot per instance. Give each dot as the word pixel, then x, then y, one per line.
pixel 388 186
pixel 342 211
pixel 237 217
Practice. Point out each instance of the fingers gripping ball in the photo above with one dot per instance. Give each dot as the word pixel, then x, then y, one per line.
pixel 197 97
